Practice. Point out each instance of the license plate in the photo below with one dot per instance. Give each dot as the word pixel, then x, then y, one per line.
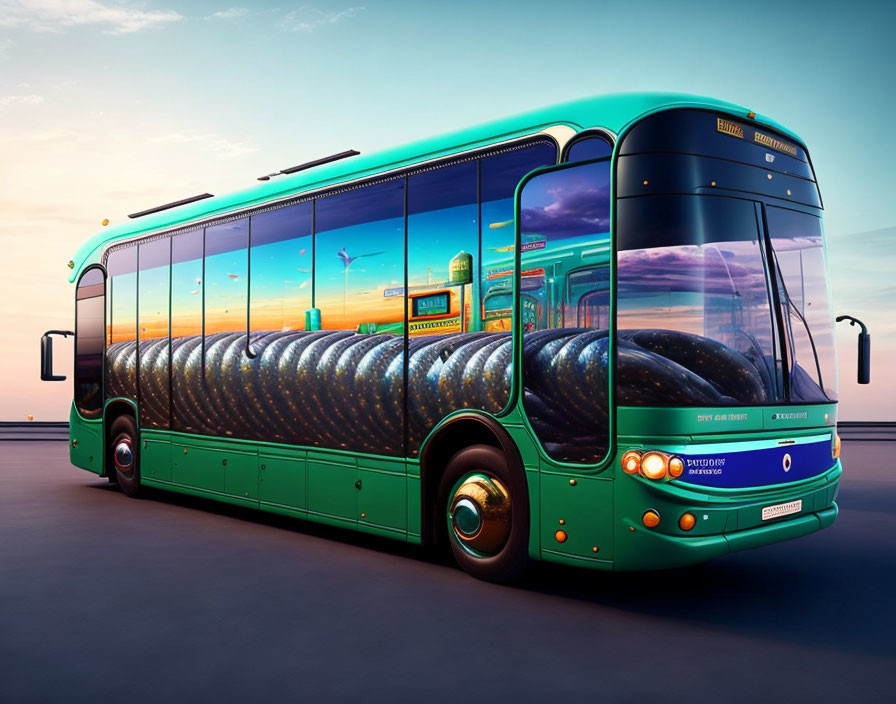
pixel 778 510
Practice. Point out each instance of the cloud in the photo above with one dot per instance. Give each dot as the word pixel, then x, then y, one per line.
pixel 8 100
pixel 581 209
pixel 5 43
pixel 59 15
pixel 207 142
pixel 307 19
pixel 231 13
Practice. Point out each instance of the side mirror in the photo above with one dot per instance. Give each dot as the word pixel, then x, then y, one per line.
pixel 863 375
pixel 46 355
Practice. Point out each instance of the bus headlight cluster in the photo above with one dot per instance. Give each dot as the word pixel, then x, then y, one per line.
pixel 653 464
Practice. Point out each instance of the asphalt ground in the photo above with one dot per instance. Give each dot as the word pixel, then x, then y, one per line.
pixel 170 598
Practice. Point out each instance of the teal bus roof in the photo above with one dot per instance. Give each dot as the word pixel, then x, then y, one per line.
pixel 613 112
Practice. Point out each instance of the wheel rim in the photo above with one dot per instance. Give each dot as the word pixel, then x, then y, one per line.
pixel 479 514
pixel 123 456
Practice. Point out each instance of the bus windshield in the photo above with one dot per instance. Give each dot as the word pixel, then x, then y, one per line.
pixel 693 303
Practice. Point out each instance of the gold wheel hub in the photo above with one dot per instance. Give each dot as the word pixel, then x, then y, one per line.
pixel 480 514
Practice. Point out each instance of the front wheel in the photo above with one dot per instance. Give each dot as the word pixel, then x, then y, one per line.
pixel 485 509
pixel 124 454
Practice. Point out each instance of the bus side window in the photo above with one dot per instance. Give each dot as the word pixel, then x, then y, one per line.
pixel 121 325
pixel 89 312
pixel 280 269
pixel 154 258
pixel 359 258
pixel 588 147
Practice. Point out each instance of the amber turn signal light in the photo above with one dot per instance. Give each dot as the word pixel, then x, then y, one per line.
pixel 651 518
pixel 676 467
pixel 654 465
pixel 835 451
pixel 687 521
pixel 631 462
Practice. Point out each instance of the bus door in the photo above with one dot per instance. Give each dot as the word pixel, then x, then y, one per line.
pixel 565 356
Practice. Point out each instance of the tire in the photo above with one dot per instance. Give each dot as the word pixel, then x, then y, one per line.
pixel 124 442
pixel 480 484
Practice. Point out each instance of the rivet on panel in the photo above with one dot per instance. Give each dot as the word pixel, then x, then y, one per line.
pixel 572 482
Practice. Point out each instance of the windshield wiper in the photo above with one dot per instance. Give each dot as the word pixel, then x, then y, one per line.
pixel 792 310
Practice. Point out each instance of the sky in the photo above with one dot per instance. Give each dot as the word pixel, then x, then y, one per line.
pixel 111 107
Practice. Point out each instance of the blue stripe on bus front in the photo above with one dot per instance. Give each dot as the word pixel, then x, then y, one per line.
pixel 757 467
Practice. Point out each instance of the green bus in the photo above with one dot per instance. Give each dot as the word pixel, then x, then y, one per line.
pixel 597 334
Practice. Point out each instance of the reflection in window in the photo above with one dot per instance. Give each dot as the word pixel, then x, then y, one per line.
pixel 443 234
pixel 226 273
pixel 359 259
pixel 280 268
pixel 90 312
pixel 798 246
pixel 152 317
pixel 500 175
pixel 692 292
pixel 186 327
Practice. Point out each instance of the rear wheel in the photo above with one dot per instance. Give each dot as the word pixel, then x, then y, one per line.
pixel 124 455
pixel 485 510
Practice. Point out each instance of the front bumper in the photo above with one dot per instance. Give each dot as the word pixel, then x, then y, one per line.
pixel 727 521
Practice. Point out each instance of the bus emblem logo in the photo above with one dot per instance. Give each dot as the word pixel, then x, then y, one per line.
pixel 787 462
pixel 730 128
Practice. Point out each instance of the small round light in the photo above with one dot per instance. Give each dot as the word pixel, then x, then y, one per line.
pixel 751 115
pixel 713 183
pixel 105 221
pixel 645 181
pixel 687 521
pixel 631 462
pixel 560 536
pixel 768 176
pixel 676 467
pixel 654 465
pixel 835 451
pixel 651 518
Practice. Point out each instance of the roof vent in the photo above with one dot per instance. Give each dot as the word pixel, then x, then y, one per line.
pixel 312 164
pixel 167 206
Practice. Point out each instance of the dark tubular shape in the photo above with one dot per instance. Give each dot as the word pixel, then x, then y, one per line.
pixel 318 162
pixel 168 206
pixel 46 354
pixel 863 373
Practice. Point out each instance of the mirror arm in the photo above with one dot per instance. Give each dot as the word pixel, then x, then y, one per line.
pixel 863 372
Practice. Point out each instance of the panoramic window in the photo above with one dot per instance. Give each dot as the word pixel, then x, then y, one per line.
pixel 90 313
pixel 152 332
pixel 280 268
pixel 359 259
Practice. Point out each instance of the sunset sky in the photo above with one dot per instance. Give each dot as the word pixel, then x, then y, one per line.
pixel 110 107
